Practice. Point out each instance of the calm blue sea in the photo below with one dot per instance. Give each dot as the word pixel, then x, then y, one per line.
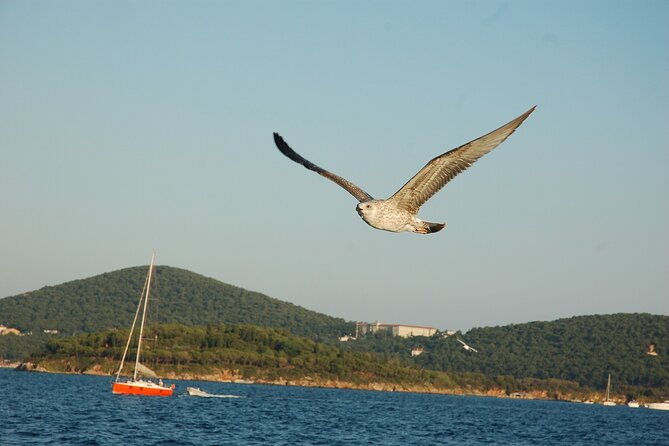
pixel 49 409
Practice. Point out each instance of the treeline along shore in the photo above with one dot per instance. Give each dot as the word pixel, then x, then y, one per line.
pixel 270 356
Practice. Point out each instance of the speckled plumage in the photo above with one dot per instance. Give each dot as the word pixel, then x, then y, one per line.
pixel 384 214
pixel 399 212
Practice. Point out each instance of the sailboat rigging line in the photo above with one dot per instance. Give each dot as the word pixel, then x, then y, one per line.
pixel 146 303
pixel 132 328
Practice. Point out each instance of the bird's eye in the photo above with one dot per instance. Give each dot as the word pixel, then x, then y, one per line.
pixel 368 206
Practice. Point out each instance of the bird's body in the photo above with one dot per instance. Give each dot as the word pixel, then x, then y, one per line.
pixel 399 212
pixel 385 215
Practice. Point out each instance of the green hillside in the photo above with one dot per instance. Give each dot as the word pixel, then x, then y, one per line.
pixel 582 349
pixel 273 356
pixel 579 351
pixel 109 301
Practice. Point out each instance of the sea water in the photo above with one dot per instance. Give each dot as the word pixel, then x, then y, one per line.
pixel 54 409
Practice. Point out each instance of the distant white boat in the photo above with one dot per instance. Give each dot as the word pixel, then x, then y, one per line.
pixel 633 403
pixel 658 406
pixel 608 391
pixel 194 391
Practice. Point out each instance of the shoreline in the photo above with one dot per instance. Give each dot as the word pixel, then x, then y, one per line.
pixel 9 365
pixel 228 376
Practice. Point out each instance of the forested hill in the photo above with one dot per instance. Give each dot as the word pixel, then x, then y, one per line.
pixel 584 349
pixel 109 301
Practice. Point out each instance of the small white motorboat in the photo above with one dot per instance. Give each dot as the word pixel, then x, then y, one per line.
pixel 658 406
pixel 195 391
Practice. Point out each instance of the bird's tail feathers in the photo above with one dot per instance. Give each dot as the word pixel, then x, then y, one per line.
pixel 430 227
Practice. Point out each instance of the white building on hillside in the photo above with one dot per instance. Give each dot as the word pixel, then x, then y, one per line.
pixel 404 331
pixel 8 330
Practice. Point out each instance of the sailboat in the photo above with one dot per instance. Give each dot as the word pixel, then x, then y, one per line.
pixel 137 385
pixel 608 391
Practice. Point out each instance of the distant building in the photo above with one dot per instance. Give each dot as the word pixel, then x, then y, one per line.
pixel 404 331
pixel 51 331
pixel 417 351
pixel 8 331
pixel 651 350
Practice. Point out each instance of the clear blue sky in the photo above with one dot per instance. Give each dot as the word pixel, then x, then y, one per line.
pixel 128 126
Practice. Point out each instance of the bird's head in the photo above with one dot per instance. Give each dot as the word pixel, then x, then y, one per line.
pixel 367 209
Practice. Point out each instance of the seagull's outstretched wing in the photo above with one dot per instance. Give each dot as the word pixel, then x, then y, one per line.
pixel 354 190
pixel 445 167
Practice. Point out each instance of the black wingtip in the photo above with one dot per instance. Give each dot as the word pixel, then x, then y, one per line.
pixel 435 227
pixel 284 147
pixel 290 153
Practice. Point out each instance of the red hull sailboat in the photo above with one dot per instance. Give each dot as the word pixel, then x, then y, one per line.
pixel 137 385
pixel 141 387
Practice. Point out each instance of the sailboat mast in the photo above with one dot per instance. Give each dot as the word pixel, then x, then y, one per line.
pixel 132 329
pixel 146 303
pixel 608 388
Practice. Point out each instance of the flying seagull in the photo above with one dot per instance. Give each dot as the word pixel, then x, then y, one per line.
pixel 398 213
pixel 467 347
